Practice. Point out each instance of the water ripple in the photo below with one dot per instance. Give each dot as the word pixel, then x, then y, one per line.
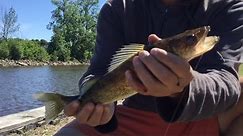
pixel 18 84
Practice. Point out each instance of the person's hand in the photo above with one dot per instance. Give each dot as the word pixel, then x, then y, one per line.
pixel 159 73
pixel 90 114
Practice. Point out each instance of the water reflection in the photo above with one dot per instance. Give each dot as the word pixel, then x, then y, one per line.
pixel 17 85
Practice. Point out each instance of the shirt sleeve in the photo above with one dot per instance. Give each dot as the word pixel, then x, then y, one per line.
pixel 109 39
pixel 215 87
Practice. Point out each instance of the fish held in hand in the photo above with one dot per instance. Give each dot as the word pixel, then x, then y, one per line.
pixel 113 86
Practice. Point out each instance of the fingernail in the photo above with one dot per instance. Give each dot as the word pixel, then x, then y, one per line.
pixel 136 60
pixel 143 54
pixel 156 51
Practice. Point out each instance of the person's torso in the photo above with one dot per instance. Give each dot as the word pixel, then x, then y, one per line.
pixel 144 17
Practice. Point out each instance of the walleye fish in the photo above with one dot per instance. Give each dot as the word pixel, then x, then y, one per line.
pixel 113 86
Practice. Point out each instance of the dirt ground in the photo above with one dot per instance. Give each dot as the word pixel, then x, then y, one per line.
pixel 42 130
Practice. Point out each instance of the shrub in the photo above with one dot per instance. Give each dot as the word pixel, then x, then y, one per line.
pixel 42 55
pixel 53 56
pixel 4 50
pixel 16 52
pixel 63 54
pixel 33 51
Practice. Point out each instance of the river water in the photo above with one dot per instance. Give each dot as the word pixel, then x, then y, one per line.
pixel 18 84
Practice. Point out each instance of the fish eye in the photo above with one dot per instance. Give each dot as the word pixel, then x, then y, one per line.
pixel 191 39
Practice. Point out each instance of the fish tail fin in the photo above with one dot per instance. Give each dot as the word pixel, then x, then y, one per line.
pixel 54 103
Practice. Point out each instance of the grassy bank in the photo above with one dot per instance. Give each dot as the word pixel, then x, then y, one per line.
pixel 241 70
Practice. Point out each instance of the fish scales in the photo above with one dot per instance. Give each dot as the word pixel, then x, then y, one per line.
pixel 113 86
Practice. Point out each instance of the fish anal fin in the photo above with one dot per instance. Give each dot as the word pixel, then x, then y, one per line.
pixel 54 103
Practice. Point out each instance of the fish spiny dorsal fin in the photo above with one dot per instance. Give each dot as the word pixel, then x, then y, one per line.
pixel 123 54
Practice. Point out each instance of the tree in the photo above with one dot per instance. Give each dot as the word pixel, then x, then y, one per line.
pixel 9 23
pixel 44 43
pixel 73 25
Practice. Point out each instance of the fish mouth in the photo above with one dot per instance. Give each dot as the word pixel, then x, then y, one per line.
pixel 201 33
pixel 205 43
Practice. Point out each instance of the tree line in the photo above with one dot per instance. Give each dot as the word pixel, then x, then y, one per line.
pixel 74 31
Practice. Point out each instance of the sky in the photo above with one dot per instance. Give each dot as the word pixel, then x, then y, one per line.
pixel 33 17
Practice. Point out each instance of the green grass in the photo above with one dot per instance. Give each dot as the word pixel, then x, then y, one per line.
pixel 241 70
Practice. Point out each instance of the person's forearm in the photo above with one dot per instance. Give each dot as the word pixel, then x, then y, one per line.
pixel 210 94
pixel 207 95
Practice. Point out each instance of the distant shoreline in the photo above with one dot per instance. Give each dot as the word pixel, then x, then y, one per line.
pixel 26 63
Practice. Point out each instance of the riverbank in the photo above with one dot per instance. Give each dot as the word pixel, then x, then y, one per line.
pixel 41 129
pixel 46 129
pixel 19 63
pixel 31 123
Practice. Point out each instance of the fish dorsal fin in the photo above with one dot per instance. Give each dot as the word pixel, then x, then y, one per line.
pixel 88 84
pixel 123 54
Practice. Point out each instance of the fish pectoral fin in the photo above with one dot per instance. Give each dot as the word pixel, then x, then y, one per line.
pixel 54 104
pixel 123 54
pixel 87 85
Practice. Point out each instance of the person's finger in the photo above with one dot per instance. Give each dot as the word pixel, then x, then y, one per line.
pixel 85 113
pixel 148 80
pixel 107 114
pixel 153 38
pixel 161 72
pixel 72 108
pixel 95 118
pixel 134 82
pixel 176 64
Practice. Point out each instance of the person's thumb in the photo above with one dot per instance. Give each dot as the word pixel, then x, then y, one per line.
pixel 153 38
pixel 72 108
